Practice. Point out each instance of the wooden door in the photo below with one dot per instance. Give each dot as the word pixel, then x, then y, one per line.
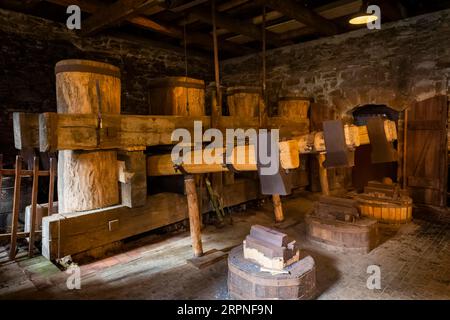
pixel 426 152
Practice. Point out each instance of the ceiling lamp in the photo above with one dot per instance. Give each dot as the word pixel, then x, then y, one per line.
pixel 362 17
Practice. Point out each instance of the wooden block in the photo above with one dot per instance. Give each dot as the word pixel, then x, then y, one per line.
pixel 67 234
pixel 207 259
pixel 133 178
pixel 113 225
pixel 26 130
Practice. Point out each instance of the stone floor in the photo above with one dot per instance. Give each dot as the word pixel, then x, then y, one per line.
pixel 414 261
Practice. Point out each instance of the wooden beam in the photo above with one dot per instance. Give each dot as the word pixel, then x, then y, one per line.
pixel 235 25
pixel 83 131
pixel 161 165
pixel 26 130
pixel 67 234
pixel 130 132
pixel 92 6
pixel 115 13
pixel 302 14
pixel 221 8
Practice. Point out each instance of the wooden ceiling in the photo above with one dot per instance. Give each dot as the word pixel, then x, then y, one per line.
pixel 239 22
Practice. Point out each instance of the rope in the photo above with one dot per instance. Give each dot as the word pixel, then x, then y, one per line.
pixel 186 65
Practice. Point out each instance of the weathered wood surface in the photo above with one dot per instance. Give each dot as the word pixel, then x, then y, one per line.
pixel 26 130
pixel 293 107
pixel 87 180
pixel 426 168
pixel 90 132
pixel 194 215
pixel 180 96
pixel 384 209
pixel 360 236
pixel 134 185
pixel 247 281
pixel 67 234
pixel 289 151
pixel 244 101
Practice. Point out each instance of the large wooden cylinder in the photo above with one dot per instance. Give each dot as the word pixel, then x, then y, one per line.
pixel 293 107
pixel 87 179
pixel 177 96
pixel 244 101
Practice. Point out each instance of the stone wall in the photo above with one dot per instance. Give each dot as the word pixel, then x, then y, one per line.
pixel 30 48
pixel 404 61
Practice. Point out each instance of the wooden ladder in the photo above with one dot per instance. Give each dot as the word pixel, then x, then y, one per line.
pixel 18 174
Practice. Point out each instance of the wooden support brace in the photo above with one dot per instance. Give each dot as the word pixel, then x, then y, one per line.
pixel 278 208
pixel 323 174
pixel 194 215
pixel 34 194
pixel 71 233
pixel 16 204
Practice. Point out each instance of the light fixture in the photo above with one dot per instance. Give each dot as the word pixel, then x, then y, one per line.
pixel 362 17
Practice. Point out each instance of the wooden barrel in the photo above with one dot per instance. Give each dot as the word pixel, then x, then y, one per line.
pixel 246 281
pixel 87 179
pixel 386 210
pixel 293 107
pixel 359 237
pixel 244 101
pixel 177 96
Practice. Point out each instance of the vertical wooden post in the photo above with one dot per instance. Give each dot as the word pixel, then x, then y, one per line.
pixel 216 110
pixel 323 175
pixel 16 205
pixel 405 140
pixel 1 167
pixel 278 209
pixel 51 185
pixel 194 215
pixel 34 194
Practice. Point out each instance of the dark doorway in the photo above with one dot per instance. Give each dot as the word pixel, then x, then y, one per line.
pixel 364 171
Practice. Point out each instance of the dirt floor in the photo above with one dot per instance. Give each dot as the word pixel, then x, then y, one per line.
pixel 414 260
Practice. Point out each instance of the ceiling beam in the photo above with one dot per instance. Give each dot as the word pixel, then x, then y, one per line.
pixel 235 25
pixel 302 14
pixel 116 13
pixel 201 39
pixel 220 8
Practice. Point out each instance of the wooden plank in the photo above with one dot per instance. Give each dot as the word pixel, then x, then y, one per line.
pixel 67 234
pixel 426 166
pixel 115 13
pixel 209 258
pixel 424 182
pixel 94 6
pixel 232 24
pixel 26 130
pixel 20 235
pixel 84 131
pixel 51 184
pixel 302 14
pixel 34 194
